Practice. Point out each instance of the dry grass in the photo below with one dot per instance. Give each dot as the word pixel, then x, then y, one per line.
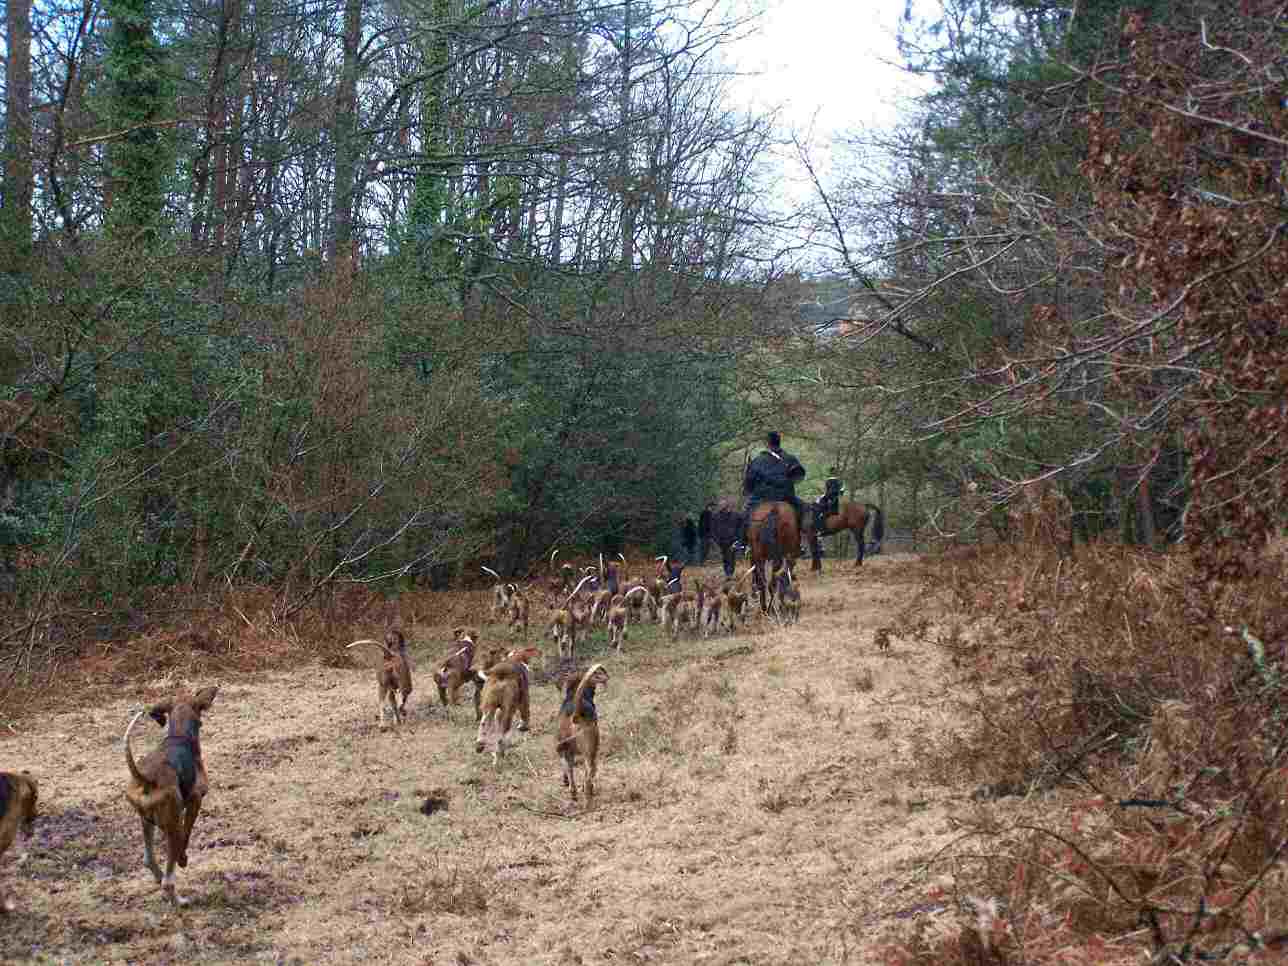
pixel 1036 760
pixel 1128 757
pixel 739 815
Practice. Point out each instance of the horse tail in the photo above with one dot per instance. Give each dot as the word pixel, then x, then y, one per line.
pixel 878 523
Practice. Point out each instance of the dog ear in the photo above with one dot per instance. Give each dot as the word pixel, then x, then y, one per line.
pixel 158 712
pixel 205 697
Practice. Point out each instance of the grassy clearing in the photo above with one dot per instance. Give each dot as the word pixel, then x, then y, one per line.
pixel 756 804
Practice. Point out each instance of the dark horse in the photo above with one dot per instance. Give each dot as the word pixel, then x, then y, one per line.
pixel 829 516
pixel 773 538
pixel 724 531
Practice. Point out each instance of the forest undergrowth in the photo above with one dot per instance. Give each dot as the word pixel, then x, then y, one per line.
pixel 1139 712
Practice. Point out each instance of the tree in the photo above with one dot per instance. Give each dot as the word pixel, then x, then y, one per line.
pixel 16 196
pixel 138 99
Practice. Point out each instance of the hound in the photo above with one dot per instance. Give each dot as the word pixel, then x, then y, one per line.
pixel 18 795
pixel 505 692
pixel 393 675
pixel 579 728
pixel 501 593
pixel 458 670
pixel 167 787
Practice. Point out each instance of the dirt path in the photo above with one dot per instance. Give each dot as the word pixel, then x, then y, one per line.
pixel 754 807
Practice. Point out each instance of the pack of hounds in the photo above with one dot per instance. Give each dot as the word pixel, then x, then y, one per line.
pixel 166 787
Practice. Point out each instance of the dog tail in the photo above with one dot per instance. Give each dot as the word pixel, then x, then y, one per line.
pixel 640 589
pixel 368 640
pixel 583 684
pixel 443 670
pixel 576 590
pixel 489 570
pixel 750 570
pixel 129 754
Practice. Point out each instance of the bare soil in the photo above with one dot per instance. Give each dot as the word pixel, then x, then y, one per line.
pixel 755 805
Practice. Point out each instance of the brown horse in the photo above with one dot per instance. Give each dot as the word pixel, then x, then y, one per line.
pixel 772 537
pixel 849 516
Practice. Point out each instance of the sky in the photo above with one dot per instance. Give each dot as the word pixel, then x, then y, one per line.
pixel 829 62
pixel 831 67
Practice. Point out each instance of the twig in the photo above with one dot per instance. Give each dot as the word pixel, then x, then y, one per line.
pixel 541 811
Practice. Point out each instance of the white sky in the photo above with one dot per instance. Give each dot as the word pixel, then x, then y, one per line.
pixel 826 58
pixel 831 66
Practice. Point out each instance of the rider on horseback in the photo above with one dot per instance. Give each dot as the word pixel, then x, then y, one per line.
pixel 828 503
pixel 772 476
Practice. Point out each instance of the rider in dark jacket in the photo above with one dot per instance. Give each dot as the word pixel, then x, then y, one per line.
pixel 773 476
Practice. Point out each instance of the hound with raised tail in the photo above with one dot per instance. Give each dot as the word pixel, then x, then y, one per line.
pixel 519 610
pixel 167 787
pixel 458 670
pixel 559 581
pixel 619 616
pixel 393 675
pixel 578 735
pixel 505 693
pixel 670 574
pixel 565 621
pixel 669 580
pixel 18 795
pixel 641 602
pixel 501 593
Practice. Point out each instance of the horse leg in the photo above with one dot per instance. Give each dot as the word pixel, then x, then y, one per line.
pixel 858 533
pixel 815 552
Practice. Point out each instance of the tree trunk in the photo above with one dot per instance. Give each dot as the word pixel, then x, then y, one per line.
pixel 216 127
pixel 17 220
pixel 1147 531
pixel 624 145
pixel 569 79
pixel 425 208
pixel 140 100
pixel 346 137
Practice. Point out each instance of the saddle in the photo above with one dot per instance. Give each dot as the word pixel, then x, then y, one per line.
pixel 769 533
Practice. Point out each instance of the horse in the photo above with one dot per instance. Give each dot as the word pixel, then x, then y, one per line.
pixel 772 537
pixel 847 515
pixel 724 531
